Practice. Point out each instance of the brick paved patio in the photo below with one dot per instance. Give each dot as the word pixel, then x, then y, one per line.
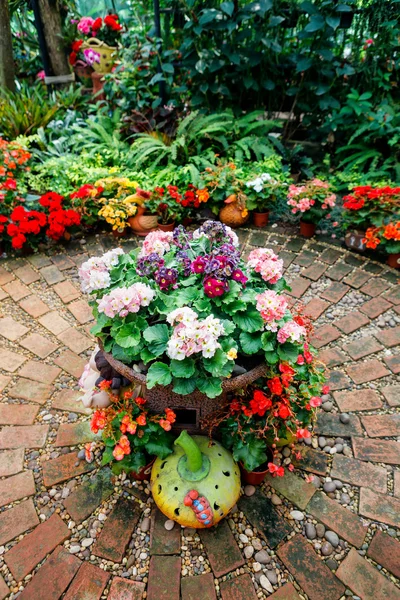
pixel 329 530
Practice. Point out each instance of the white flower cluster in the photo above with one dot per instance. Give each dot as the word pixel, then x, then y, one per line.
pixel 192 335
pixel 258 183
pixel 95 272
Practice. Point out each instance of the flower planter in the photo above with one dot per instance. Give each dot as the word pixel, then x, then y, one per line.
pixel 144 472
pixel 98 85
pixel 253 477
pixel 393 260
pixel 307 230
pixel 142 223
pixel 166 227
pixel 119 234
pixel 107 54
pixel 260 219
pixel 189 409
pixel 232 215
pixel 354 240
pixel 82 70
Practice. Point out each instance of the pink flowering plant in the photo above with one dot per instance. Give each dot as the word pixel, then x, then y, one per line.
pixel 312 200
pixel 186 310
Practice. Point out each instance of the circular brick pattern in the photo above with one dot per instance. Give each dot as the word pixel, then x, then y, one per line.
pixel 331 528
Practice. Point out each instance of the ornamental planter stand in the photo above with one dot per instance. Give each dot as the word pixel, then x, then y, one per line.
pixel 190 409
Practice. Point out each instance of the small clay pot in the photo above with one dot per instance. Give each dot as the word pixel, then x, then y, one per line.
pixel 393 260
pixel 307 230
pixel 143 223
pixel 167 227
pixel 119 234
pixel 253 477
pixel 260 219
pixel 144 472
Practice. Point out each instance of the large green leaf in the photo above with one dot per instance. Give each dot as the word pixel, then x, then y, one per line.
pixel 158 374
pixel 157 337
pixel 184 386
pixel 183 368
pixel 215 365
pixel 128 335
pixel 102 321
pixel 210 386
pixel 250 342
pixel 250 321
pixel 252 454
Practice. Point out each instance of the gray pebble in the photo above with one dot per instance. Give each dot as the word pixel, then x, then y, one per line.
pixel 332 538
pixel 326 549
pixel 316 481
pixel 297 515
pixel 339 448
pixel 262 557
pixel 344 418
pixel 310 531
pixel 332 564
pixel 273 577
pixel 321 442
pixel 249 490
pixel 320 529
pixel 338 484
pixel 145 524
pixel 327 406
pixel 345 499
pixel 329 486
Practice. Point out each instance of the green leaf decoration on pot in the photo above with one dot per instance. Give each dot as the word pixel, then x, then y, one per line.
pixel 198 484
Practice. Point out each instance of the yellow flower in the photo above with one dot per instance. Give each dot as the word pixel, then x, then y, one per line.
pixel 232 354
pixel 245 212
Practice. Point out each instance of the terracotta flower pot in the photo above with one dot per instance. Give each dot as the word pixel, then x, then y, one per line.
pixel 144 472
pixel 252 477
pixel 119 234
pixel 393 260
pixel 260 219
pixel 98 85
pixel 143 223
pixel 307 230
pixel 167 227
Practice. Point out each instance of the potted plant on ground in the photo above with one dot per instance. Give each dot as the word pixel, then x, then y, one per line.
pixel 132 436
pixel 261 195
pixel 274 411
pixel 387 239
pixel 312 200
pixel 118 202
pixel 166 204
pixel 225 187
pixel 365 207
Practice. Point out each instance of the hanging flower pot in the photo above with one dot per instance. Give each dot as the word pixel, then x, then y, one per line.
pixel 307 230
pixel 103 55
pixel 260 219
pixel 393 260
pixel 167 226
pixel 82 69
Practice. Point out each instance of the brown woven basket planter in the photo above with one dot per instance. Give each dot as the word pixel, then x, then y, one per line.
pixel 190 409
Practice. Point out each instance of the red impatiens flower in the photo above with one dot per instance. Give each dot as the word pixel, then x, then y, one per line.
pixel 275 470
pixel 275 386
pixel 303 434
pixel 98 421
pixel 259 404
pixel 112 23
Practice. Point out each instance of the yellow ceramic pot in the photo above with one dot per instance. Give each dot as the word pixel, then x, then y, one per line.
pixel 107 54
pixel 198 484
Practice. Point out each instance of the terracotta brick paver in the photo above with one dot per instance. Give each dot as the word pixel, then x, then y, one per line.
pixel 17 520
pixel 338 518
pixel 239 588
pixel 385 551
pixel 117 531
pixel 367 371
pixel 24 556
pixel 385 451
pixel 359 473
pixel 63 468
pixel 28 390
pixel 310 572
pixel 200 586
pixel 380 507
pixel 11 461
pixel 222 550
pixel 358 400
pixel 164 578
pixel 88 584
pixel 364 579
pixel 54 576
pixel 12 330
pixel 45 338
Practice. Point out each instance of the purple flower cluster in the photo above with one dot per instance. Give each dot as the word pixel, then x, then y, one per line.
pixel 166 278
pixel 183 258
pixel 217 270
pixel 181 237
pixel 217 233
pixel 149 264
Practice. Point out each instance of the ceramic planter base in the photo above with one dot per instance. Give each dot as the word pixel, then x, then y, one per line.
pixel 393 260
pixel 142 223
pixel 307 230
pixel 167 227
pixel 260 219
